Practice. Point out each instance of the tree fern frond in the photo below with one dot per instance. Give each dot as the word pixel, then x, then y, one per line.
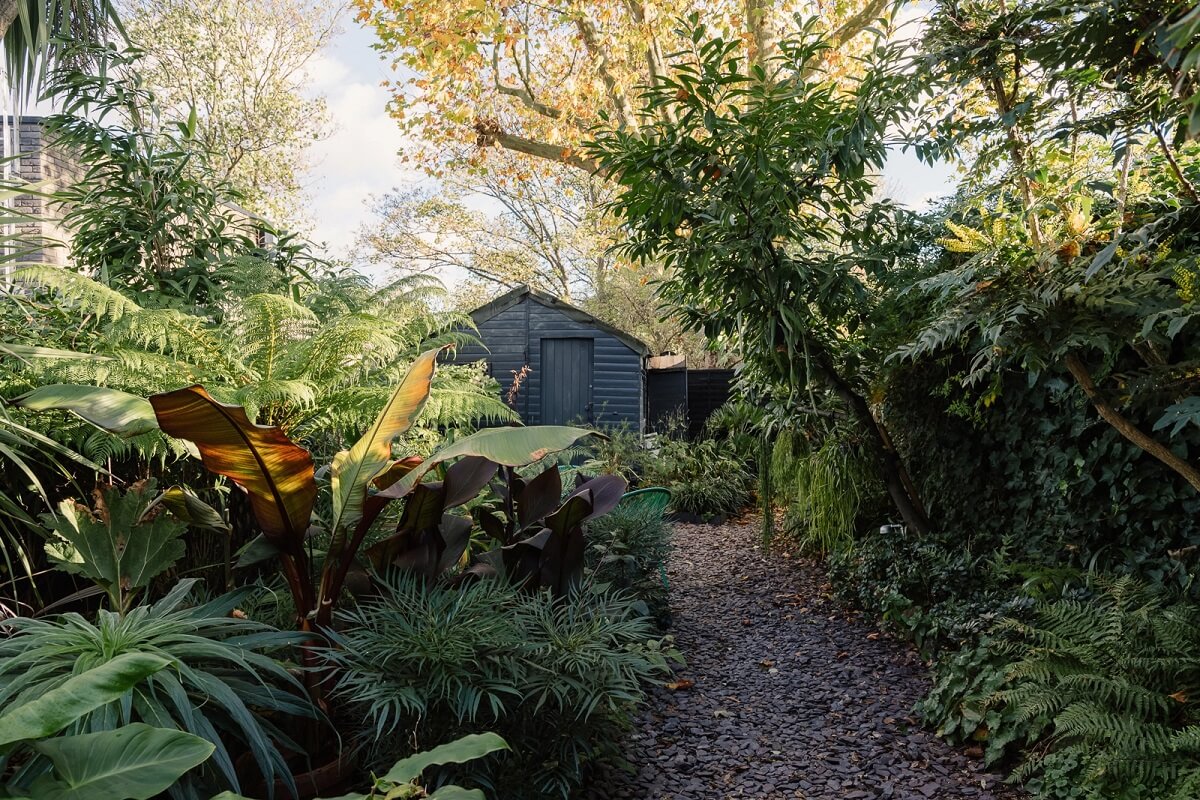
pixel 77 291
pixel 268 326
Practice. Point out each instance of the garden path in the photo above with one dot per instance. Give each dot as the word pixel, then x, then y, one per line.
pixel 791 696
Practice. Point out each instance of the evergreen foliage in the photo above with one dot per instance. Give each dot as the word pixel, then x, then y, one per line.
pixel 1119 676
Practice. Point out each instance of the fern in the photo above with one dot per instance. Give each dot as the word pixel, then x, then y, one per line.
pixel 322 377
pixel 1119 675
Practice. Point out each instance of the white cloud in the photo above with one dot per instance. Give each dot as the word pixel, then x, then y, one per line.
pixel 360 158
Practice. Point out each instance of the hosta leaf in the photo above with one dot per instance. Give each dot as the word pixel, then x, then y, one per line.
pixel 276 473
pixel 117 412
pixel 80 694
pixel 135 762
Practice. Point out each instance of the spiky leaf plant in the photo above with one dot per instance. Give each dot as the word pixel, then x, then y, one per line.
pixel 1119 675
pixel 424 663
pixel 225 684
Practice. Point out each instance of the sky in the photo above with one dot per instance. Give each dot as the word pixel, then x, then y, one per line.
pixel 360 158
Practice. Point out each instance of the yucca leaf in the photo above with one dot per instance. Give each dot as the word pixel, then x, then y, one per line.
pixel 276 473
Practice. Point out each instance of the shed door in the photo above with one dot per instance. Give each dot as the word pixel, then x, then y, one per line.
pixel 566 381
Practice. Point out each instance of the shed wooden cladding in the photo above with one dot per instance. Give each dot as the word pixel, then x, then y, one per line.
pixel 598 372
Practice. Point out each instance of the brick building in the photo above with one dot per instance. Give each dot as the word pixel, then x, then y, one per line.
pixel 46 166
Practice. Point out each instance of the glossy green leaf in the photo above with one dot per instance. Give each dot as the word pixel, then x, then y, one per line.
pixel 510 447
pixel 457 793
pixel 78 695
pixel 135 762
pixel 460 751
pixel 117 412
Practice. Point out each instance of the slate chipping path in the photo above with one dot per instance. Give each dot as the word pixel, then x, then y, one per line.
pixel 793 696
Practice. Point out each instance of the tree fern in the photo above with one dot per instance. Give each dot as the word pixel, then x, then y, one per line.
pixel 321 378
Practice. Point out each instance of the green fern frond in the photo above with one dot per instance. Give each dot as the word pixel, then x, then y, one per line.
pixel 86 296
pixel 268 327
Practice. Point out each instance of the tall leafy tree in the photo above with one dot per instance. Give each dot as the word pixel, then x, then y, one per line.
pixel 755 189
pixel 534 77
pixel 1073 244
pixel 32 33
pixel 146 215
pixel 522 224
pixel 243 67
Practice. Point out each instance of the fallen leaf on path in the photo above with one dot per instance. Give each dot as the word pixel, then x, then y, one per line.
pixel 682 683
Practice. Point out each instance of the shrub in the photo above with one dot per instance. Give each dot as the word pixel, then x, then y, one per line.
pixel 824 489
pixel 963 707
pixel 555 678
pixel 628 549
pixel 704 477
pixel 223 686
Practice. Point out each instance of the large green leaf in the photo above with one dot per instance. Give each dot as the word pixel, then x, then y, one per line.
pixel 353 469
pixel 276 473
pixel 123 545
pixel 510 447
pixel 135 762
pixel 457 793
pixel 117 412
pixel 78 695
pixel 468 748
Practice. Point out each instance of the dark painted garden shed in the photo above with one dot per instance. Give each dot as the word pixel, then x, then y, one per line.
pixel 577 368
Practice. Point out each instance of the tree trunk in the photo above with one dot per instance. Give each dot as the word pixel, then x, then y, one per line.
pixel 1126 428
pixel 891 468
pixel 8 15
pixel 760 24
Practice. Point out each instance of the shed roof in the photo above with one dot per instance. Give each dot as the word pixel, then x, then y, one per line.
pixel 515 296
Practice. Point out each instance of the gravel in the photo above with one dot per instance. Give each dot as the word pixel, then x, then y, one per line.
pixel 791 695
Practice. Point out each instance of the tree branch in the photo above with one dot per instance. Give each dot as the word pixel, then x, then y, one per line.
pixel 524 95
pixel 761 28
pixel 655 63
pixel 622 110
pixel 857 23
pixel 490 133
pixel 1126 428
pixel 1188 188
